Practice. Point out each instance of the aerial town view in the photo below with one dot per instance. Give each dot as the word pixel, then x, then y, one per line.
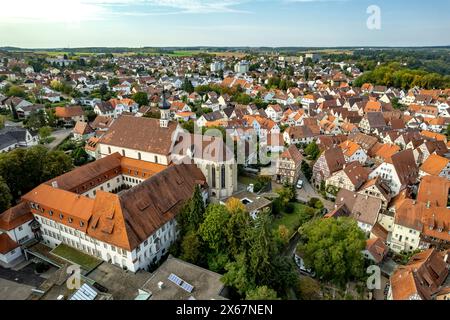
pixel 233 151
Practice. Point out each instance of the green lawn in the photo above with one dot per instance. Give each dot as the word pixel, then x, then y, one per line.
pixel 293 221
pixel 75 256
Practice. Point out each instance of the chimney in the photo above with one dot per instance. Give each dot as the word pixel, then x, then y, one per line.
pixel 161 285
pixel 55 184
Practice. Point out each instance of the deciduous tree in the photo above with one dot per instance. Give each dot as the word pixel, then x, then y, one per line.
pixel 141 98
pixel 261 293
pixel 212 230
pixel 5 196
pixel 333 248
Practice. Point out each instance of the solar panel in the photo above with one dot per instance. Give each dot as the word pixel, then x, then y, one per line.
pixel 84 293
pixel 186 286
pixel 175 279
pixel 181 283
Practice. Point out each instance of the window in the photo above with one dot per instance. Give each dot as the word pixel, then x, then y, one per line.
pixel 108 185
pixel 156 159
pixel 213 177
pixel 50 212
pixel 109 150
pixel 70 220
pixel 20 228
pixel 223 176
pixel 61 216
pixel 123 152
pixel 139 156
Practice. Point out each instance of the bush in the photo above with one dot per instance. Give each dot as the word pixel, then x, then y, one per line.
pixel 277 207
pixel 68 145
pixel 289 208
pixel 312 202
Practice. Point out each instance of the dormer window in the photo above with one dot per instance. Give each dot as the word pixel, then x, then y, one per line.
pixel 50 212
pixel 81 223
pixel 70 220
pixel 61 216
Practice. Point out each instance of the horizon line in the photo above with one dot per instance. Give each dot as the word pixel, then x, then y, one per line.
pixel 222 47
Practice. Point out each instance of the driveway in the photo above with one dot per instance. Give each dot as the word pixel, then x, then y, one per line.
pixel 60 136
pixel 13 124
pixel 308 192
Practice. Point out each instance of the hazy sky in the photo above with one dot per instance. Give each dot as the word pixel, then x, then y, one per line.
pixel 137 23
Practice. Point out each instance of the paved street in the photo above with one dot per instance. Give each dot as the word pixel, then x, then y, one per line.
pixel 60 135
pixel 308 192
pixel 24 276
pixel 13 124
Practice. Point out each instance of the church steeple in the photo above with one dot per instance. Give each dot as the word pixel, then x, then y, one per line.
pixel 164 109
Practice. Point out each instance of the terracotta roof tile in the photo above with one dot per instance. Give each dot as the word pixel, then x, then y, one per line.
pixel 7 244
pixel 139 133
pixel 15 216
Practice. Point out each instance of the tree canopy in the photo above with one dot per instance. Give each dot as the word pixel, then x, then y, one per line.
pixel 312 150
pixel 16 91
pixel 24 169
pixel 141 98
pixel 333 248
pixel 228 241
pixel 394 74
pixel 5 196
pixel 262 293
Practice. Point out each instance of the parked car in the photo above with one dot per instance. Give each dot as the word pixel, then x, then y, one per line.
pixel 301 266
pixel 300 184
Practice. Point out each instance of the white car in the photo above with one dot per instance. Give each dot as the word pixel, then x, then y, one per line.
pixel 300 184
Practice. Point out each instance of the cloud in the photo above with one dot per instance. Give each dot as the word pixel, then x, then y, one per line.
pixel 83 10
pixel 197 6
